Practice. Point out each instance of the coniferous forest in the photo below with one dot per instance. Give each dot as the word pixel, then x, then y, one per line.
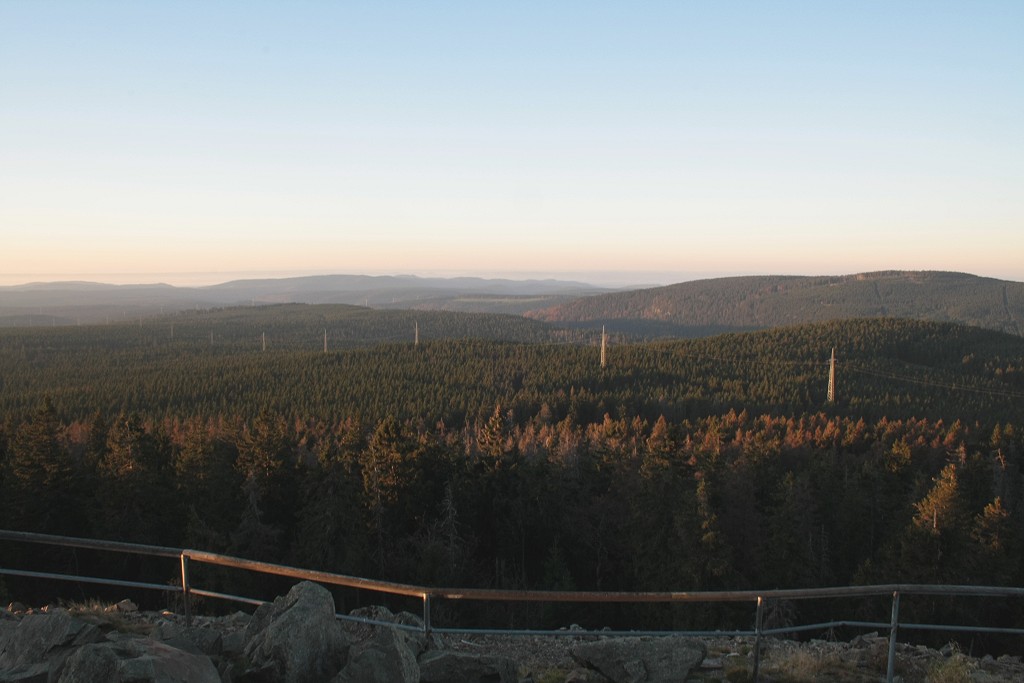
pixel 479 450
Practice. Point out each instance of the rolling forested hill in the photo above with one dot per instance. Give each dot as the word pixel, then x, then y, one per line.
pixel 743 303
pixel 243 360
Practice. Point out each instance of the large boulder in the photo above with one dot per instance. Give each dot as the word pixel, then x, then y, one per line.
pixel 460 667
pixel 297 638
pixel 387 657
pixel 641 660
pixel 29 646
pixel 407 625
pixel 198 641
pixel 136 660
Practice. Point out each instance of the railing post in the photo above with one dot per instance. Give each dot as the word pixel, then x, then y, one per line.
pixel 185 589
pixel 758 622
pixel 426 614
pixel 890 671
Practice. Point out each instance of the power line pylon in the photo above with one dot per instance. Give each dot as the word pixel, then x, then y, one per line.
pixel 604 347
pixel 832 377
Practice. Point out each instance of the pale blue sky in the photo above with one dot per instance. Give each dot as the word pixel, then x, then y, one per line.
pixel 640 141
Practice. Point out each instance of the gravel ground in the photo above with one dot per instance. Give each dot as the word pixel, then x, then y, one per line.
pixel 861 660
pixel 534 653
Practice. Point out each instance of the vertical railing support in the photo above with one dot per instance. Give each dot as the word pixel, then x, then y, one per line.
pixel 758 622
pixel 890 671
pixel 426 614
pixel 893 628
pixel 185 589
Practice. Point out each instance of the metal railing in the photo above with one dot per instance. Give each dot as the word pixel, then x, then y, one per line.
pixel 428 595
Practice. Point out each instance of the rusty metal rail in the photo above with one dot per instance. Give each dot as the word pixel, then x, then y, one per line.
pixel 427 595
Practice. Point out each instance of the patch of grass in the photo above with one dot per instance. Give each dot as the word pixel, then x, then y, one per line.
pixel 99 614
pixel 954 669
pixel 552 676
pixel 738 670
pixel 89 607
pixel 801 665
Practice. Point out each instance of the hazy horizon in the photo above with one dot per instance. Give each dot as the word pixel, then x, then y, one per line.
pixel 641 144
pixel 606 279
pixel 200 279
pixel 599 279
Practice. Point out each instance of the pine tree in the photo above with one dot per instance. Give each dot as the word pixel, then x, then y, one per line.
pixel 267 470
pixel 995 542
pixel 329 531
pixel 39 483
pixel 136 499
pixel 933 547
pixel 208 486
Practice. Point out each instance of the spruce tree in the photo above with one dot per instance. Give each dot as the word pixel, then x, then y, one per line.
pixel 39 484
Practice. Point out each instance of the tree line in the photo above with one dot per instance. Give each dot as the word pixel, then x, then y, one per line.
pixel 728 501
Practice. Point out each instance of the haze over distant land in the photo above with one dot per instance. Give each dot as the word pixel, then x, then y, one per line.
pixel 606 279
pixel 685 309
pixel 598 142
pixel 185 279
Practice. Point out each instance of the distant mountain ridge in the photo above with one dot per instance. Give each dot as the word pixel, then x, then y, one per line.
pixel 688 309
pixel 754 302
pixel 62 303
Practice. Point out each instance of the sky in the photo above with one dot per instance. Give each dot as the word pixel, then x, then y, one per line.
pixel 196 142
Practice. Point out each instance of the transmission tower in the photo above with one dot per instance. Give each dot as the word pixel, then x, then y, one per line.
pixel 832 377
pixel 604 347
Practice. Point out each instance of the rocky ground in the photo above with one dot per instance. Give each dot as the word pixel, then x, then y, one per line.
pixel 863 659
pixel 550 659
